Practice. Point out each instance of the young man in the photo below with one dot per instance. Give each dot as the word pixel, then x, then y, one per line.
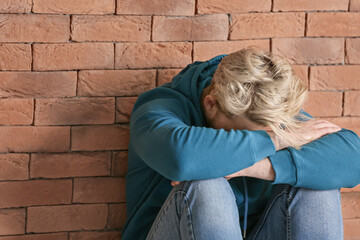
pixel 228 138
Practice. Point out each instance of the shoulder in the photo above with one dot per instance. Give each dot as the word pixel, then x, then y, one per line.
pixel 164 100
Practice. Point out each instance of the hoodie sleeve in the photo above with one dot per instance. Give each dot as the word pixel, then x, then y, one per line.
pixel 182 152
pixel 330 162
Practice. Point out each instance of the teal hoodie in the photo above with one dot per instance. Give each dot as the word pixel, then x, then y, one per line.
pixel 169 140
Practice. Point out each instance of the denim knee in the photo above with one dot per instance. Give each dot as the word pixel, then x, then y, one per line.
pixel 323 199
pixel 209 196
pixel 217 189
pixel 316 214
pixel 213 209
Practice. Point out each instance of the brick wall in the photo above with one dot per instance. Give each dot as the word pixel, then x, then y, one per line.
pixel 70 73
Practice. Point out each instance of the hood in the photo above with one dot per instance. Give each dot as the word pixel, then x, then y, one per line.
pixel 194 78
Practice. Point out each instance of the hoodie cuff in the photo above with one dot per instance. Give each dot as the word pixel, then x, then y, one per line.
pixel 285 170
pixel 262 145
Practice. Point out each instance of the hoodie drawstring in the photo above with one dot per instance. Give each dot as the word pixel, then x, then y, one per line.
pixel 246 206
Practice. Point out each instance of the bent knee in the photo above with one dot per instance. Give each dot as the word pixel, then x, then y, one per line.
pixel 322 203
pixel 317 214
pixel 316 197
pixel 215 191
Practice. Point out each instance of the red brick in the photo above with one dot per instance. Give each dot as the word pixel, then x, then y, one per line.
pixel 91 138
pixel 355 5
pixel 34 139
pixel 124 106
pixel 152 55
pixel 12 221
pixel 119 163
pixel 111 28
pixel 159 7
pixel 117 215
pixel 333 24
pixel 233 6
pixel 302 72
pixel 16 111
pixel 69 56
pixel 14 166
pixel 310 5
pixel 48 28
pixel 15 6
pixel 35 192
pixel 99 190
pixel 267 25
pixel 38 84
pixel 113 235
pixel 67 111
pixel 15 56
pixel 50 236
pixel 351 103
pixel 74 164
pixel 310 50
pixel 324 104
pixel 334 78
pixel 354 189
pixel 351 229
pixel 115 82
pixel 352 51
pixel 69 6
pixel 166 75
pixel 350 203
pixel 67 218
pixel 351 123
pixel 206 50
pixel 197 28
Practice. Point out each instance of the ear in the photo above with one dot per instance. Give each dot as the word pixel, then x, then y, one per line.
pixel 210 106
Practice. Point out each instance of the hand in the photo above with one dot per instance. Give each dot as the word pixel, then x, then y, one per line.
pixel 174 183
pixel 309 131
pixel 316 128
pixel 262 170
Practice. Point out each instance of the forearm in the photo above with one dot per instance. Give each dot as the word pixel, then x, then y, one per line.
pixel 181 152
pixel 261 170
pixel 330 162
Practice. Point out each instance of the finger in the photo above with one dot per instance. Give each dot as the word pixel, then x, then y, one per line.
pixel 230 176
pixel 321 121
pixel 315 122
pixel 174 183
pixel 329 130
pixel 326 125
pixel 334 129
pixel 311 123
pixel 329 125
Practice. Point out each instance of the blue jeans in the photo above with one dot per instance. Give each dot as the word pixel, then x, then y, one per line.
pixel 206 209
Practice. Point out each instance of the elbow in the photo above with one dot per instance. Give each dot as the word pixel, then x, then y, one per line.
pixel 184 161
pixel 178 165
pixel 176 174
pixel 352 140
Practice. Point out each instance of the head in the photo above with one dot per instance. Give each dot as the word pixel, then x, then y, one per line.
pixel 255 90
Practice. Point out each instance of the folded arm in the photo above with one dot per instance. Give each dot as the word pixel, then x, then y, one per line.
pixel 182 152
pixel 332 161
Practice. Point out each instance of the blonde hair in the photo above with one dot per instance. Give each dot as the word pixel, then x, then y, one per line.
pixel 264 87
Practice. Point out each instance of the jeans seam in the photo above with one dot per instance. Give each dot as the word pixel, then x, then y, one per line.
pixel 152 230
pixel 186 201
pixel 288 225
pixel 267 212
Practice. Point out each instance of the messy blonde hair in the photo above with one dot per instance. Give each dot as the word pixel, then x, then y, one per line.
pixel 264 87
